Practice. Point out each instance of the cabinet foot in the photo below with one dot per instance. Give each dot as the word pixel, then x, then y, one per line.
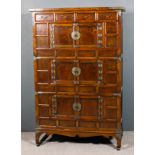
pixel 37 137
pixel 118 143
pixel 38 140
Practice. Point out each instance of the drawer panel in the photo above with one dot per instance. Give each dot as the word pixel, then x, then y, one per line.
pixel 85 17
pixel 108 124
pixel 47 122
pixel 87 124
pixel 86 53
pixel 107 16
pixel 65 88
pixel 87 89
pixel 64 17
pixel 45 17
pixel 65 53
pixel 65 123
pixel 45 87
pixel 109 89
pixel 45 53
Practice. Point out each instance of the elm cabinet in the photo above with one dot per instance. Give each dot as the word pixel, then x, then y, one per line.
pixel 77 72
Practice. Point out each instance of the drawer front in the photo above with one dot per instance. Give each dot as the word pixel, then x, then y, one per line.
pixel 44 17
pixel 85 17
pixel 107 16
pixel 64 17
pixel 78 111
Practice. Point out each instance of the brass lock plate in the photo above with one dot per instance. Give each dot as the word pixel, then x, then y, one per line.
pixel 76 71
pixel 76 107
pixel 75 35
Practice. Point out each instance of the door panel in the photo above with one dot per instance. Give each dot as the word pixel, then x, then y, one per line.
pixel 62 35
pixel 88 34
pixel 64 70
pixel 88 71
pixel 89 107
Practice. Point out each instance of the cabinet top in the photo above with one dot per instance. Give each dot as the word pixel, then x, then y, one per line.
pixel 78 9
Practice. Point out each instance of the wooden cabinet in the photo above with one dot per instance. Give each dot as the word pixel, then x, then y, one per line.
pixel 77 72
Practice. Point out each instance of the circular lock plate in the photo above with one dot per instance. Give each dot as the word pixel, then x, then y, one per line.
pixel 75 35
pixel 76 71
pixel 76 107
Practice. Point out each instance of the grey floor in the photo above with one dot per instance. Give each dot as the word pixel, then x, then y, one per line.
pixel 60 145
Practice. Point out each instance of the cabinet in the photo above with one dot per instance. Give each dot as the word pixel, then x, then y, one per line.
pixel 77 72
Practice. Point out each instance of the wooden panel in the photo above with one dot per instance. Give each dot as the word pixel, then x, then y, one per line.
pixel 88 71
pixel 110 65
pixel 45 53
pixel 86 53
pixel 111 27
pixel 107 16
pixel 67 123
pixel 41 29
pixel 110 113
pixel 106 53
pixel 64 71
pixel 47 122
pixel 87 89
pixel 62 35
pixel 43 99
pixel 110 101
pixel 44 111
pixel 65 53
pixel 65 88
pixel 89 107
pixel 42 42
pixel 85 17
pixel 87 124
pixel 45 87
pixel 111 41
pixel 108 124
pixel 63 17
pixel 42 77
pixel 88 34
pixel 110 78
pixel 42 64
pixel 109 89
pixel 64 106
pixel 44 17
